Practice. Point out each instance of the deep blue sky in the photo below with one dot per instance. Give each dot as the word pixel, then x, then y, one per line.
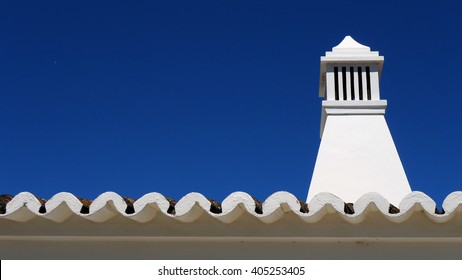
pixel 212 96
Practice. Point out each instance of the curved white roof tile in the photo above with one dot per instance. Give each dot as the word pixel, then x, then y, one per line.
pixel 147 207
pixel 23 207
pixel 235 205
pixel 323 204
pixel 279 203
pixel 62 206
pixel 191 207
pixel 453 202
pixel 106 206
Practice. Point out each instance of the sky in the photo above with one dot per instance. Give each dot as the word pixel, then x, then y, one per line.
pixel 213 96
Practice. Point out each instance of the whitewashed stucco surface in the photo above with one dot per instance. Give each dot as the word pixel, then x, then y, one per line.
pixel 357 154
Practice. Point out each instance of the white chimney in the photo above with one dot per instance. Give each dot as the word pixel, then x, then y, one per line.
pixel 357 154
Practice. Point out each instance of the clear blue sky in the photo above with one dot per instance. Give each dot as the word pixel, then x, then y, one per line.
pixel 212 96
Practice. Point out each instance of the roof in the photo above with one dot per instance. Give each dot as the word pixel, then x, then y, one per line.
pixel 64 206
pixel 240 227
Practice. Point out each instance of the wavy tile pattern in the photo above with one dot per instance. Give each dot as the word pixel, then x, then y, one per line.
pixel 62 206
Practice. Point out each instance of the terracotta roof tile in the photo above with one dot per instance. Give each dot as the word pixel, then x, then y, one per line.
pixel 171 208
pixel 393 209
pixel 4 199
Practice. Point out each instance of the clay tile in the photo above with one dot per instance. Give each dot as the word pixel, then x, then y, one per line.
pixel 215 207
pixel 171 208
pixel 303 206
pixel 129 201
pixel 42 209
pixel 85 205
pixel 4 199
pixel 258 206
pixel 349 209
pixel 393 209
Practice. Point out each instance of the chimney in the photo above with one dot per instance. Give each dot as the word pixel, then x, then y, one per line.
pixel 357 154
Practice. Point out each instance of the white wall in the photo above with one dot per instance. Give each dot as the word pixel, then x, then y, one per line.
pixel 418 237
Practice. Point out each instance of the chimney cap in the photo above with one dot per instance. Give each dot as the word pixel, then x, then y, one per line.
pixel 346 52
pixel 349 44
